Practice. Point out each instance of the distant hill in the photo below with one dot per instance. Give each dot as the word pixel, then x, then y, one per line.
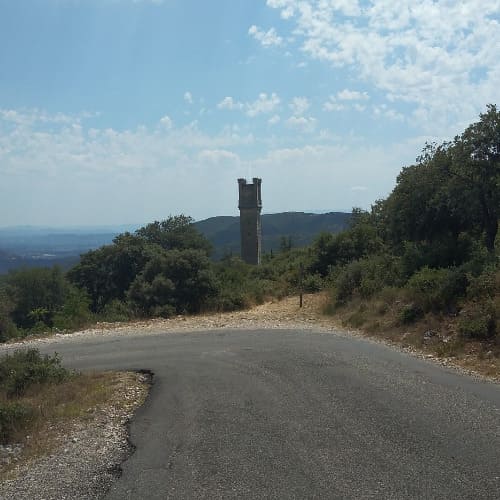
pixel 32 246
pixel 224 232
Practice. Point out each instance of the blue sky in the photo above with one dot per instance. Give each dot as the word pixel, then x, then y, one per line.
pixel 126 111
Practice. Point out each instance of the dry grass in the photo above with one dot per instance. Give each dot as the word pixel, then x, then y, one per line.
pixel 56 406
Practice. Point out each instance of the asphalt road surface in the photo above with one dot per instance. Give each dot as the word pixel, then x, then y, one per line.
pixel 298 415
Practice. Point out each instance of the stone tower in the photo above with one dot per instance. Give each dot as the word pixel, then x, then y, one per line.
pixel 250 205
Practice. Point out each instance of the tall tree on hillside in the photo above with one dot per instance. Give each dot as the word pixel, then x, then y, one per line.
pixel 476 164
pixel 453 189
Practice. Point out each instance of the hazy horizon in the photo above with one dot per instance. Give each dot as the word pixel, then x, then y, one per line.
pixel 140 224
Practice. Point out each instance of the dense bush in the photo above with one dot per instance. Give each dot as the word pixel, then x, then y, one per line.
pixel 479 322
pixel 365 277
pixel 75 312
pixel 25 368
pixel 116 311
pixel 437 289
pixel 173 281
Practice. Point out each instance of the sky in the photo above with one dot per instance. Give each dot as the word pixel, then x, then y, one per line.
pixel 128 111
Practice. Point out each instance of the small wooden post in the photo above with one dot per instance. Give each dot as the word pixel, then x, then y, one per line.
pixel 301 276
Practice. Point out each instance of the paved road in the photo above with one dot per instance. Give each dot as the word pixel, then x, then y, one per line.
pixel 295 414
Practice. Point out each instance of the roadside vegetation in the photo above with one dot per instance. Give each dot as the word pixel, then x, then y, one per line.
pixel 38 396
pixel 422 266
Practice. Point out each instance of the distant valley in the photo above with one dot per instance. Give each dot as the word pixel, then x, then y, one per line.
pixel 31 246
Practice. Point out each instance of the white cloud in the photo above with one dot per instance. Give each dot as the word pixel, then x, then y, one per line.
pixel 263 104
pixel 188 97
pixel 266 38
pixel 36 116
pixel 341 100
pixel 218 156
pixel 305 124
pixel 440 56
pixel 230 104
pixel 352 95
pixel 299 105
pixel 274 120
pixel 387 112
pixel 333 105
pixel 166 122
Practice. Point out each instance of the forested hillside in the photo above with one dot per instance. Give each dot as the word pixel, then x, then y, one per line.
pixel 295 229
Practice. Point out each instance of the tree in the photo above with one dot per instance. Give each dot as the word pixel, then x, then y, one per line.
pixel 107 273
pixel 38 294
pixel 359 240
pixel 453 190
pixel 177 232
pixel 476 166
pixel 173 281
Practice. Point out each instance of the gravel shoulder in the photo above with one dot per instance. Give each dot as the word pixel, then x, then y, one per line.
pixel 85 456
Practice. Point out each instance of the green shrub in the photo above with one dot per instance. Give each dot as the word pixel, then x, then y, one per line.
pixel 366 277
pixel 485 285
pixel 410 313
pixel 13 418
pixel 437 289
pixel 116 311
pixel 312 283
pixel 75 312
pixel 478 323
pixel 25 368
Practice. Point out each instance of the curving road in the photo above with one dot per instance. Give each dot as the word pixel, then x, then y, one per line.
pixel 298 414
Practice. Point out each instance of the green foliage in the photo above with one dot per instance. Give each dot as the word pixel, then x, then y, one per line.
pixel 107 273
pixel 437 289
pixel 453 189
pixel 479 322
pixel 75 312
pixel 485 285
pixel 234 285
pixel 312 283
pixel 366 276
pixel 116 311
pixel 13 417
pixel 360 240
pixel 8 329
pixel 25 368
pixel 175 233
pixel 476 167
pixel 37 294
pixel 410 313
pixel 173 281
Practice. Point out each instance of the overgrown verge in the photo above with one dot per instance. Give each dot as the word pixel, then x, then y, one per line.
pixel 448 313
pixel 39 397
